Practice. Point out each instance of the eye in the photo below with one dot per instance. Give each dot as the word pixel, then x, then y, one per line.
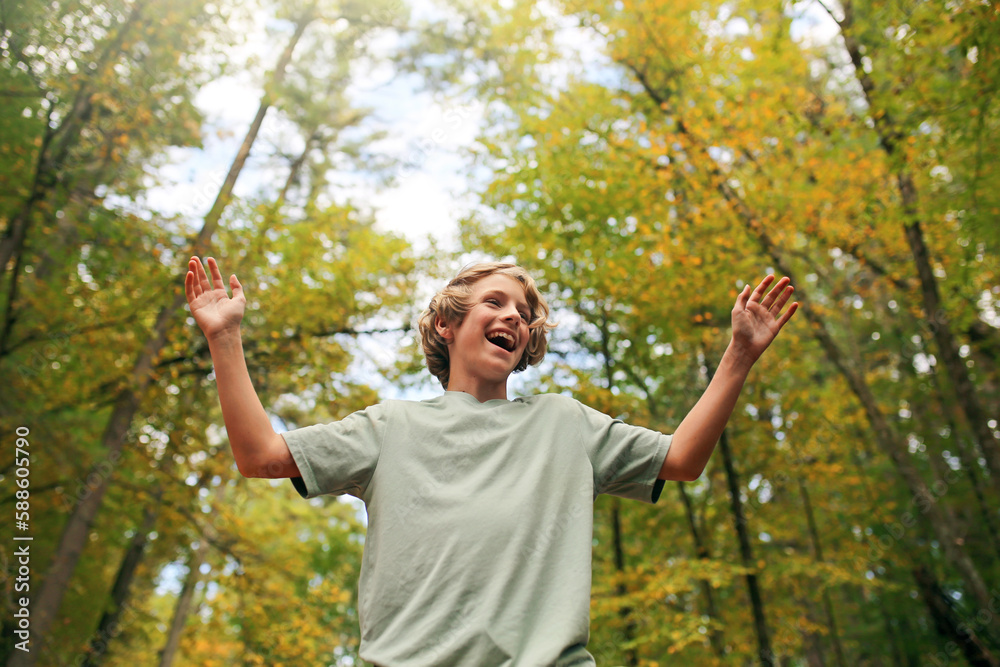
pixel 495 302
pixel 524 316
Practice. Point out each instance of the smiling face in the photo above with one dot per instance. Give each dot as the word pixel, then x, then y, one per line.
pixel 486 346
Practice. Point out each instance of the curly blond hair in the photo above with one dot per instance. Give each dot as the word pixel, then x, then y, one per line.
pixel 453 303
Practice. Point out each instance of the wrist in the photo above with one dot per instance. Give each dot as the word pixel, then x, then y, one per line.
pixel 225 338
pixel 739 357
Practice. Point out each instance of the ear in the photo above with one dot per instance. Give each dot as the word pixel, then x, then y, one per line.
pixel 443 329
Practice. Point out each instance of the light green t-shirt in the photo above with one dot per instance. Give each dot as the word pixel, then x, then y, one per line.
pixel 480 521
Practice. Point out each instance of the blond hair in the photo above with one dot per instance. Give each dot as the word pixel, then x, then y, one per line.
pixel 453 303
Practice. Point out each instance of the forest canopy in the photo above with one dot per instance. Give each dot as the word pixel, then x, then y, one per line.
pixel 644 160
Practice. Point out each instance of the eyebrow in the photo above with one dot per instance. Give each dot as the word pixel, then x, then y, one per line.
pixel 496 292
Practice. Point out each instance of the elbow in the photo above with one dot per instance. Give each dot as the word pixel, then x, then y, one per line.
pixel 260 470
pixel 690 475
pixel 246 470
pixel 266 460
pixel 676 474
pixel 253 469
pixel 676 469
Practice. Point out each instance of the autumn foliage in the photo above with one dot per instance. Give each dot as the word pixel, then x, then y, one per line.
pixel 644 159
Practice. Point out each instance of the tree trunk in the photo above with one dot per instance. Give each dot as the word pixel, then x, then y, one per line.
pixel 937 318
pixel 715 634
pixel 949 625
pixel 894 640
pixel 764 652
pixel 812 642
pixel 817 545
pixel 108 628
pixel 183 607
pixel 884 434
pixel 628 630
pixel 889 442
pixel 56 144
pixel 75 534
pixel 972 470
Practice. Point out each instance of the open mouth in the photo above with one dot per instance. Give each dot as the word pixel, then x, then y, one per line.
pixel 502 340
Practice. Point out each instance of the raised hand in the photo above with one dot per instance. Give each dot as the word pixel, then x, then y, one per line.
pixel 757 316
pixel 214 311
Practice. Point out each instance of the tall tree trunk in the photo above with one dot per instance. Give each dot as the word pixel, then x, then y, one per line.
pixel 972 470
pixel 812 642
pixel 817 545
pixel 184 601
pixel 890 443
pixel 74 536
pixel 715 636
pixel 108 627
pixel 701 550
pixel 968 460
pixel 183 607
pixel 887 439
pixel 628 630
pixel 950 625
pixel 884 434
pixel 889 137
pixel 894 641
pixel 764 652
pixel 56 144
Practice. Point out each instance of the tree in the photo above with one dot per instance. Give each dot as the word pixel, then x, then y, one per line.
pixel 704 152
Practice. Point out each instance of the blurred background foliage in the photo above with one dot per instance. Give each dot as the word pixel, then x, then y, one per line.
pixel 644 159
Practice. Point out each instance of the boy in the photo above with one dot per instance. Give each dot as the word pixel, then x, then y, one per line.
pixel 480 509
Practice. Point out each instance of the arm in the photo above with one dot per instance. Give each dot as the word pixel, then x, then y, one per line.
pixel 757 319
pixel 259 451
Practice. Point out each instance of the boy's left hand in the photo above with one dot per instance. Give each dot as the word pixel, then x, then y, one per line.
pixel 757 316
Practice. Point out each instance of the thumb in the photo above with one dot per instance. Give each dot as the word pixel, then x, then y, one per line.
pixel 234 283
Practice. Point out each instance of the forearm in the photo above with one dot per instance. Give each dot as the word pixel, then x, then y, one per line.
pixel 695 438
pixel 250 432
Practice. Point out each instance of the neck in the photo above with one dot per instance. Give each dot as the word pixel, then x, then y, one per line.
pixel 479 389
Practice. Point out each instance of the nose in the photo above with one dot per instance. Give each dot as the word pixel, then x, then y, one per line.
pixel 510 314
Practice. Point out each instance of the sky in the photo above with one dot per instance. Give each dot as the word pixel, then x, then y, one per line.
pixel 426 199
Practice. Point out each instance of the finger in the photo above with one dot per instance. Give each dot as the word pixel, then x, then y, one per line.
pixel 775 293
pixel 759 290
pixel 782 299
pixel 788 315
pixel 216 274
pixel 201 278
pixel 189 286
pixel 193 265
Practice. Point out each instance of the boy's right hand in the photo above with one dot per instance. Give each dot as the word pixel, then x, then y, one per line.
pixel 213 310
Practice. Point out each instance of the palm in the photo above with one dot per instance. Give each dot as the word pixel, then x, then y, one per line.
pixel 757 316
pixel 212 308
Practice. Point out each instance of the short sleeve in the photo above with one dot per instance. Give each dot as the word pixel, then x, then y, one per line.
pixel 339 457
pixel 626 459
